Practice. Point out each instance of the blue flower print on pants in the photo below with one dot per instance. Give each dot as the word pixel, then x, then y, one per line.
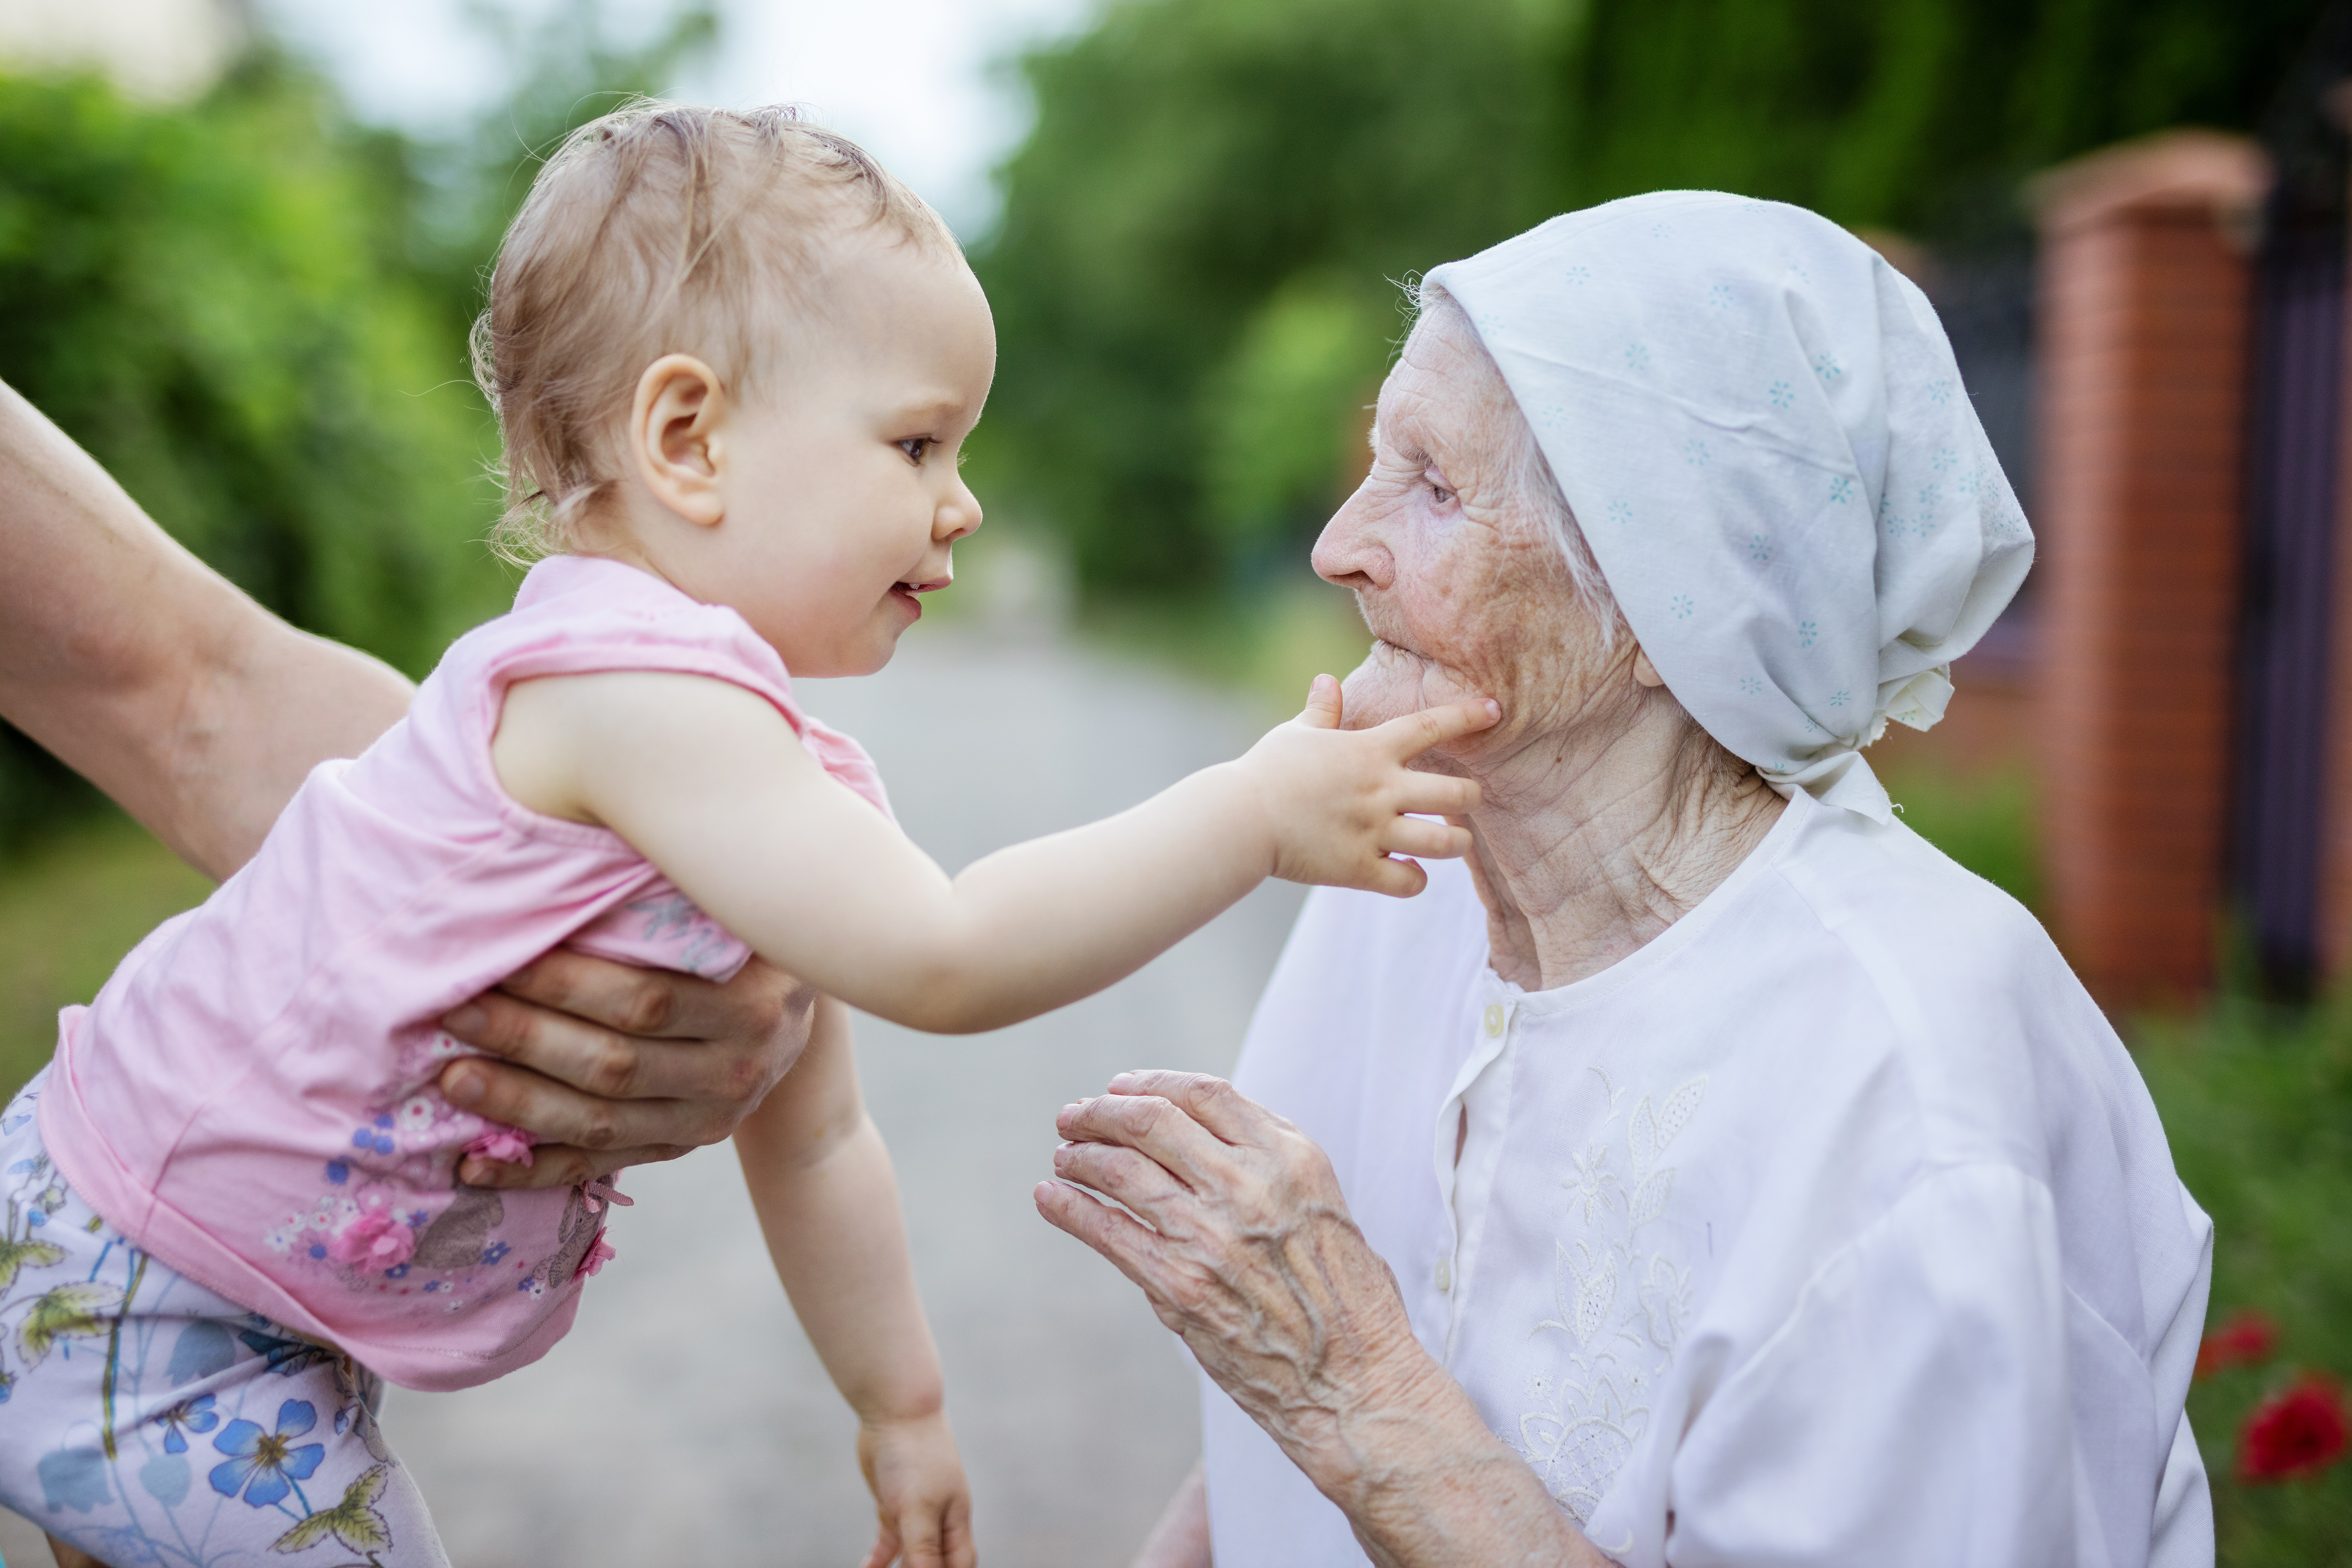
pixel 196 1414
pixel 265 1466
pixel 148 1420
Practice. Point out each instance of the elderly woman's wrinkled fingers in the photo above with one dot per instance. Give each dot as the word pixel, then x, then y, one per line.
pixel 1131 1247
pixel 1120 1175
pixel 1415 733
pixel 1431 840
pixel 1183 1282
pixel 1157 1129
pixel 1207 1099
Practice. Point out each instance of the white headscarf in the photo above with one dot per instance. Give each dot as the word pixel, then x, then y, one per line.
pixel 1763 436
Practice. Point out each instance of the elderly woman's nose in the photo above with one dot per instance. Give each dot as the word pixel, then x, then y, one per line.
pixel 1351 551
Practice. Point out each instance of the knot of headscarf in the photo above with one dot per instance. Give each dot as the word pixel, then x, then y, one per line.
pixel 1762 434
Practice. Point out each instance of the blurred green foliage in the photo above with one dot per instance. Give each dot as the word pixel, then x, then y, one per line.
pixel 253 311
pixel 209 300
pixel 2257 1102
pixel 1192 274
pixel 1189 161
pixel 1984 821
pixel 1918 115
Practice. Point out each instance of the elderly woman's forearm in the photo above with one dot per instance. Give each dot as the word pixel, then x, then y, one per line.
pixel 148 672
pixel 1426 1484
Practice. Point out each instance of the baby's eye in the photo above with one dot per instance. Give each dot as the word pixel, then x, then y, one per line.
pixel 916 446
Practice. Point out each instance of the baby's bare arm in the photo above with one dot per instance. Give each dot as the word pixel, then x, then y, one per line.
pixel 709 784
pixel 828 1204
pixel 822 1184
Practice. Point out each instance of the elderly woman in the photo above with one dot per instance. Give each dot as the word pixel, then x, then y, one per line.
pixel 1711 1172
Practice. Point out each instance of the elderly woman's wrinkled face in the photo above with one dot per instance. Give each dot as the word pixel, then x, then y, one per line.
pixel 1454 567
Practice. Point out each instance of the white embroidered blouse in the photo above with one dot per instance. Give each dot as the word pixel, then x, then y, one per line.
pixel 1835 1225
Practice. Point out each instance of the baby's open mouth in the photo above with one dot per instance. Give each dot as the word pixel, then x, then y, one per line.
pixel 908 588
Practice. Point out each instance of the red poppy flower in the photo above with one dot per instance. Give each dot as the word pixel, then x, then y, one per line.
pixel 2246 1339
pixel 2295 1433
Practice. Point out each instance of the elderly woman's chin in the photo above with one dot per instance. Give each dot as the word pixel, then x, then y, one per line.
pixel 1393 682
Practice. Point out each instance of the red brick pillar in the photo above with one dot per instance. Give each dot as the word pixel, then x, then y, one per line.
pixel 2144 328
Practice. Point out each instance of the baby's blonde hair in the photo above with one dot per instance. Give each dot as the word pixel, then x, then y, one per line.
pixel 659 228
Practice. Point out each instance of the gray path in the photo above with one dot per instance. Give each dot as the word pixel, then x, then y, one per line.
pixel 685 1419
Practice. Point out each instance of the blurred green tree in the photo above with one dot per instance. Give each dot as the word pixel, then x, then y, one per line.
pixel 1919 115
pixel 1214 187
pixel 1187 160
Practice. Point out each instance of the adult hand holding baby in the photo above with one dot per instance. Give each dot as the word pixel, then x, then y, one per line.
pixel 611 1064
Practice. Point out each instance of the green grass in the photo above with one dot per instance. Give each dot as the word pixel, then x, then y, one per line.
pixel 68 911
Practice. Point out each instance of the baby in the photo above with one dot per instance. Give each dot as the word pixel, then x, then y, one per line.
pixel 734 361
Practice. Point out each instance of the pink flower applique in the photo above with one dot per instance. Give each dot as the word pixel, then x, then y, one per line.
pixel 374 1239
pixel 598 1191
pixel 507 1143
pixel 599 1255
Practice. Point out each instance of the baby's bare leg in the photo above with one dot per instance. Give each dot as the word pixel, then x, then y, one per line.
pixel 69 1558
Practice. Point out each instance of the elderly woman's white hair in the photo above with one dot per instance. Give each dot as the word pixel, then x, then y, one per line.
pixel 1755 437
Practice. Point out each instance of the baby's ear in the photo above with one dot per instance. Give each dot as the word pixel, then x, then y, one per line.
pixel 675 427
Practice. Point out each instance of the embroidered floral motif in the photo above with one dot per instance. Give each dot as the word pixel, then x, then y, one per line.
pixel 1622 1305
pixel 692 940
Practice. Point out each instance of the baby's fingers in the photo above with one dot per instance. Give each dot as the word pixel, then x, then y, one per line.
pixel 924 1534
pixel 1438 795
pixel 1323 704
pixel 1416 732
pixel 885 1548
pixel 1437 841
pixel 1397 878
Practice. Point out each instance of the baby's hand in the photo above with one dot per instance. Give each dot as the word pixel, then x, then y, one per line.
pixel 917 1480
pixel 1337 801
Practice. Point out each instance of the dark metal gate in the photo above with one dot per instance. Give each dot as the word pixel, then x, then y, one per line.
pixel 2292 454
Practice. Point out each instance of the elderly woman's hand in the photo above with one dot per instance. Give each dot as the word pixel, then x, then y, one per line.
pixel 613 1064
pixel 1247 1252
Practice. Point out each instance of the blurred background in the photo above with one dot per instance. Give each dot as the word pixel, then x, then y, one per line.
pixel 241 242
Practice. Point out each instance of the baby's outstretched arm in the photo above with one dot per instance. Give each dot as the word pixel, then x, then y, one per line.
pixel 821 1180
pixel 707 781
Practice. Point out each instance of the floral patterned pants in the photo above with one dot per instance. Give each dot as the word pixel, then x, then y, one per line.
pixel 144 1419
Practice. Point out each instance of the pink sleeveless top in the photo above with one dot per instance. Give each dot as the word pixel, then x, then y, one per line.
pixel 250 1097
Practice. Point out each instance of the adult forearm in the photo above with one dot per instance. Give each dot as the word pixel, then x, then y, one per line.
pixel 1427 1484
pixel 150 674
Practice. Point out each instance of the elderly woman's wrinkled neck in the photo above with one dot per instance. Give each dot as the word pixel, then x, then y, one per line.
pixel 1609 814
